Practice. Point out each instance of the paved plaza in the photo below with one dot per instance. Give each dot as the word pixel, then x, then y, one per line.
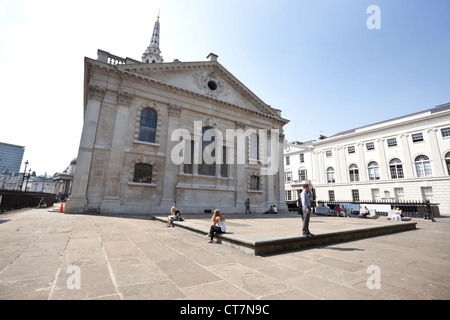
pixel 50 255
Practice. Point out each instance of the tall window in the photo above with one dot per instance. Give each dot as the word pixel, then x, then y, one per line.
pixel 254 183
pixel 207 139
pixel 188 166
pixel 330 175
pixel 331 196
pixel 147 127
pixel 288 195
pixel 224 165
pixel 396 169
pixel 302 174
pixel 302 157
pixel 375 194
pixel 354 173
pixel 288 160
pixel 423 166
pixel 447 161
pixel 355 195
pixel 427 193
pixel 329 153
pixel 374 171
pixel 288 176
pixel 399 194
pixel 142 173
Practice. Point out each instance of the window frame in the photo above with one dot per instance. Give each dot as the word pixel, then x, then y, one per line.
pixel 141 171
pixel 415 137
pixel 375 171
pixel 147 131
pixel 391 144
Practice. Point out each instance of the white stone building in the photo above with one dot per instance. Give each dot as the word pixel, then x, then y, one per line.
pixel 406 158
pixel 127 156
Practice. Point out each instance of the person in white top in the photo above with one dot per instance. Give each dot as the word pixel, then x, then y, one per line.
pixel 397 216
pixel 219 225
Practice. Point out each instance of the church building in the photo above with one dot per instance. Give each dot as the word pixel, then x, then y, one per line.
pixel 149 127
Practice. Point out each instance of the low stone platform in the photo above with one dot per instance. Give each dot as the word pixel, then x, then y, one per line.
pixel 267 234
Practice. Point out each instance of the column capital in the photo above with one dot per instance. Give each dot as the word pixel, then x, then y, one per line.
pixel 125 98
pixel 174 110
pixel 96 92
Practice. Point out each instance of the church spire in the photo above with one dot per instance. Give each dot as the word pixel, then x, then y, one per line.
pixel 153 53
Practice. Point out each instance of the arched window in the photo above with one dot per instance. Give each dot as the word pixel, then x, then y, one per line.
pixel 354 172
pixel 396 168
pixel 330 175
pixel 447 161
pixel 374 171
pixel 204 168
pixel 423 166
pixel 143 173
pixel 147 127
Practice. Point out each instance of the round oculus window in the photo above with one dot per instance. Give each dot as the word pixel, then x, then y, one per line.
pixel 212 85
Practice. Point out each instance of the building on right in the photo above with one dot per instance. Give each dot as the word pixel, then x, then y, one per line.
pixel 402 159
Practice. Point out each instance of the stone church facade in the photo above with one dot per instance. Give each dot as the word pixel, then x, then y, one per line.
pixel 126 162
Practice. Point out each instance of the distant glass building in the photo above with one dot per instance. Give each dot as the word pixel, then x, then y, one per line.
pixel 11 157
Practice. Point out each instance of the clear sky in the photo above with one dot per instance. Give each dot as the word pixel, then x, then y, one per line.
pixel 315 60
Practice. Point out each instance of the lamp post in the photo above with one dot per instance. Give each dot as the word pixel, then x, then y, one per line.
pixel 24 172
pixel 28 177
pixel 45 178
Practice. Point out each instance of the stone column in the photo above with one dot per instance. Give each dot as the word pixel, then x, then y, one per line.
pixel 282 206
pixel 111 202
pixel 438 168
pixel 384 166
pixel 407 161
pixel 337 166
pixel 78 200
pixel 170 169
pixel 363 174
pixel 344 165
pixel 271 182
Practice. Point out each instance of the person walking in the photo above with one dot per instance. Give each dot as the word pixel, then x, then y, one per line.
pixel 305 197
pixel 247 206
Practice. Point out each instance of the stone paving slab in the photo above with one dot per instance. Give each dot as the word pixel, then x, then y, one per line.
pixel 45 255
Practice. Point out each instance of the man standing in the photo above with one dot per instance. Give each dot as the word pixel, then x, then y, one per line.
pixel 247 206
pixel 306 206
pixel 299 206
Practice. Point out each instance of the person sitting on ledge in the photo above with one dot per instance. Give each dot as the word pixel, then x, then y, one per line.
pixel 219 225
pixel 175 216
pixel 397 216
pixel 364 212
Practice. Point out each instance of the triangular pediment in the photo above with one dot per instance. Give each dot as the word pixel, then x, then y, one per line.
pixel 210 79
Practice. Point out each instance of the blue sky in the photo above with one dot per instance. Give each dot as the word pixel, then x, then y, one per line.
pixel 315 60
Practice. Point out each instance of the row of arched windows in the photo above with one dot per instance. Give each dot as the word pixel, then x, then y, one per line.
pixel 421 162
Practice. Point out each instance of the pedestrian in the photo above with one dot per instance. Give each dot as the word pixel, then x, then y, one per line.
pixel 299 205
pixel 247 206
pixel 306 206
pixel 219 225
